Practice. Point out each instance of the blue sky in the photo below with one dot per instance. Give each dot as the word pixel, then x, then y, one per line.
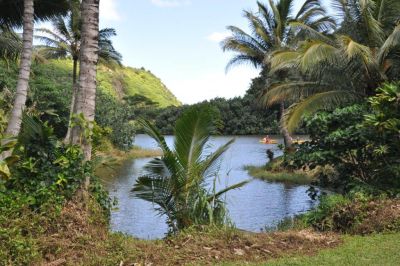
pixel 178 40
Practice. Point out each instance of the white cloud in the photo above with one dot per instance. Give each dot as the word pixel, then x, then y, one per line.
pixel 211 85
pixel 218 36
pixel 170 3
pixel 108 10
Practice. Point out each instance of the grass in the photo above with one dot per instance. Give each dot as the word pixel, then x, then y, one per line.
pixel 282 176
pixel 382 249
pixel 274 171
pixel 128 81
pixel 117 82
pixel 113 158
pixel 77 237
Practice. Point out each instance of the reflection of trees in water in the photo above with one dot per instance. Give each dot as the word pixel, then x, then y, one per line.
pixel 289 195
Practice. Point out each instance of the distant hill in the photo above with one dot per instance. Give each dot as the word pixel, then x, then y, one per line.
pixel 131 81
pixel 118 82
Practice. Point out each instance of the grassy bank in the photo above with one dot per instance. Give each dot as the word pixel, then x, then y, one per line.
pixel 274 171
pixel 75 236
pixel 112 158
pixel 283 176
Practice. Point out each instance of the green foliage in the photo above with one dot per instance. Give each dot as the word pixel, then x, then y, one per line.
pixel 281 176
pixel 361 143
pixel 237 116
pixel 127 81
pixel 321 217
pixel 118 118
pixel 18 246
pixel 116 107
pixel 48 170
pixel 177 182
pixel 357 214
pixel 6 146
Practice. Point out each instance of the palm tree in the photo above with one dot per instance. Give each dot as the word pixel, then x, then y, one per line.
pixel 177 182
pixel 11 10
pixel 64 41
pixel 275 27
pixel 86 94
pixel 10 15
pixel 345 67
pixel 10 44
pixel 14 123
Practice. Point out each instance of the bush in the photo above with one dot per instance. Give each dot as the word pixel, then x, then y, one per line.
pixel 359 215
pixel 118 118
pixel 360 142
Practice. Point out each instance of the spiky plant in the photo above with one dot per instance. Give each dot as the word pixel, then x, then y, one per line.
pixel 179 182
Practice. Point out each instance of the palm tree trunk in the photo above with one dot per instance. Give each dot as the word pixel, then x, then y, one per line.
pixel 73 100
pixel 287 139
pixel 86 95
pixel 15 120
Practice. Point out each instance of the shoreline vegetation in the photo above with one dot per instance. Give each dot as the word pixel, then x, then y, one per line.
pixel 113 158
pixel 78 237
pixel 274 172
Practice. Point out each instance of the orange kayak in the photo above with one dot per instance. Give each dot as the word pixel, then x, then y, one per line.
pixel 270 141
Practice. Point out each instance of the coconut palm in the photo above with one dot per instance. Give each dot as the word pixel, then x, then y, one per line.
pixel 274 27
pixel 86 93
pixel 345 67
pixel 10 44
pixel 177 182
pixel 11 11
pixel 64 41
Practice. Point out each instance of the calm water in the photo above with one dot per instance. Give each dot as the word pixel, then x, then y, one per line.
pixel 253 207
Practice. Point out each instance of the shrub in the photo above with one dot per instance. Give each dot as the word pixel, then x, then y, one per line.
pixel 359 215
pixel 360 142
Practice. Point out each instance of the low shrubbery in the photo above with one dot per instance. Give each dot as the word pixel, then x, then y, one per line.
pixel 360 142
pixel 46 175
pixel 359 215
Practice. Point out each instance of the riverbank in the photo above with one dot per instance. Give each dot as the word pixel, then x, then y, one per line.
pixel 274 172
pixel 112 158
pixel 77 238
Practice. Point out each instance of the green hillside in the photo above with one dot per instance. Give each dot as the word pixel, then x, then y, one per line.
pixel 131 81
pixel 118 82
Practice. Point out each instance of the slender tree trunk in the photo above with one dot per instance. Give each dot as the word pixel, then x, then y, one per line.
pixel 14 123
pixel 86 95
pixel 73 99
pixel 15 120
pixel 287 139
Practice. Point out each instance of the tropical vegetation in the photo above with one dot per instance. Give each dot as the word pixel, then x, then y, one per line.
pixel 334 76
pixel 178 182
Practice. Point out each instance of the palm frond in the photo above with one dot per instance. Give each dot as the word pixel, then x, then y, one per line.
pixel 227 189
pixel 324 100
pixel 392 42
pixel 192 132
pixel 291 91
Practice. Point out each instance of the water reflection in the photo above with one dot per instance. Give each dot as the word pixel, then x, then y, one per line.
pixel 255 206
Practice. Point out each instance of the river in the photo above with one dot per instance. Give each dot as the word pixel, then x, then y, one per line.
pixel 254 207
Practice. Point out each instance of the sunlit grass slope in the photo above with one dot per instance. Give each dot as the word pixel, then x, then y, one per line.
pixel 118 81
